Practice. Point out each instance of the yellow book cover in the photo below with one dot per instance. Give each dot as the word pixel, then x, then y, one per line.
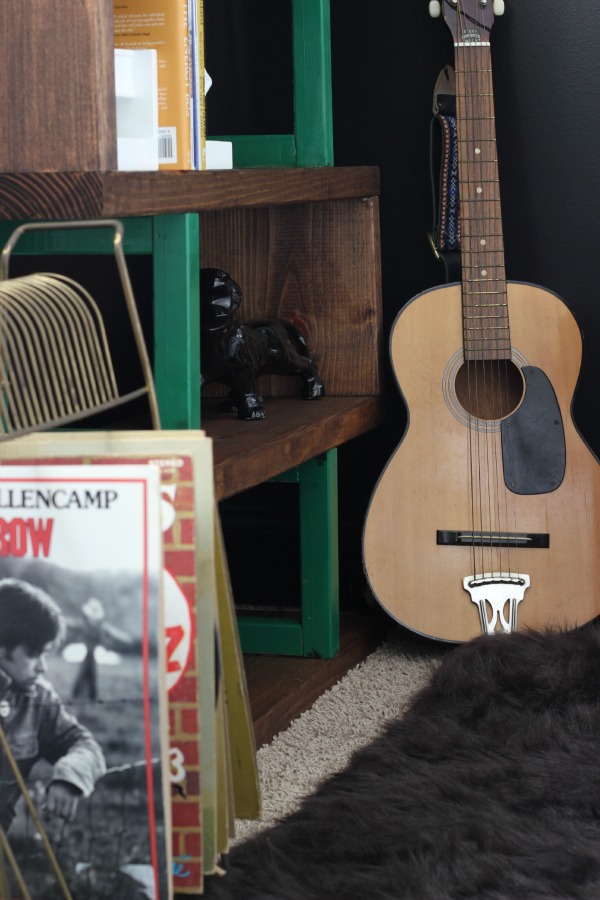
pixel 163 25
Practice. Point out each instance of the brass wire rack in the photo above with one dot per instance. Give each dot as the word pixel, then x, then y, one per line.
pixel 55 362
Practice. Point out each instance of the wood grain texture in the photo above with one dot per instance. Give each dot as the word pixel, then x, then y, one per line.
pixel 316 265
pixel 425 485
pixel 294 431
pixel 44 197
pixel 57 86
pixel 52 195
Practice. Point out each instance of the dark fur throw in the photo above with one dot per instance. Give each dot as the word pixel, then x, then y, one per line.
pixel 237 355
pixel 488 788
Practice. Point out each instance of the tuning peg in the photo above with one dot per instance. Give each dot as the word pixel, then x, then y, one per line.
pixel 435 9
pixel 498 7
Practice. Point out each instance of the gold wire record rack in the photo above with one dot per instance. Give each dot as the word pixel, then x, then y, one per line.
pixel 55 362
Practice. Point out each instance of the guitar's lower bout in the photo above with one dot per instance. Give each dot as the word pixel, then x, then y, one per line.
pixel 447 477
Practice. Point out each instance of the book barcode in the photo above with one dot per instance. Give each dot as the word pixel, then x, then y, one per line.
pixel 167 145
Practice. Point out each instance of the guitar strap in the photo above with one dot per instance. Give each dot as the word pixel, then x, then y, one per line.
pixel 444 236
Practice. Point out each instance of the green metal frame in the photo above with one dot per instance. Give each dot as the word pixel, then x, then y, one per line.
pixel 173 241
pixel 312 141
pixel 176 264
pixel 316 633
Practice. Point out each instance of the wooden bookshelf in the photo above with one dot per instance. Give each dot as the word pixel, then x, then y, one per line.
pixel 304 245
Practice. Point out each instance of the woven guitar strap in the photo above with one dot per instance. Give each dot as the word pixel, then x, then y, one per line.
pixel 445 233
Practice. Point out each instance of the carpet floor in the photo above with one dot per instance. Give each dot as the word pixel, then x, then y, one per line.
pixel 486 785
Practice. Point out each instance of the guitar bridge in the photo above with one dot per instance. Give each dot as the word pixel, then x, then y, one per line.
pixel 469 538
pixel 497 596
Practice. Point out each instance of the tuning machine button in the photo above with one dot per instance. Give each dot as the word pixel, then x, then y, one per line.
pixel 498 7
pixel 435 9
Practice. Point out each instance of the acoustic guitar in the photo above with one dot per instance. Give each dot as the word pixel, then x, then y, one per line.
pixel 487 516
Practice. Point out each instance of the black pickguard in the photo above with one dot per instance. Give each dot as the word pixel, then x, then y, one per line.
pixel 533 439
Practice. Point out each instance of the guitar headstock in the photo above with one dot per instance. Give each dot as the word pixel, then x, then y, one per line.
pixel 470 21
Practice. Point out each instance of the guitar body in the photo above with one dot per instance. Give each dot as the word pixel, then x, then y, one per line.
pixel 447 475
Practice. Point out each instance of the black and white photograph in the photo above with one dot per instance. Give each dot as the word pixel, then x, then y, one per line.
pixel 80 696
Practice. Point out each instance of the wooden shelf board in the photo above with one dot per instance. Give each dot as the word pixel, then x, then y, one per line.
pixel 294 431
pixel 92 195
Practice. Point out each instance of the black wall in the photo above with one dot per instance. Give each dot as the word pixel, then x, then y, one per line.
pixel 386 56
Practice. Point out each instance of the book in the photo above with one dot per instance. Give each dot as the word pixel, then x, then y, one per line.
pixel 184 459
pixel 199 75
pixel 82 694
pixel 164 25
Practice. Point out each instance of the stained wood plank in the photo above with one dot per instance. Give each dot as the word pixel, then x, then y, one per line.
pixel 98 194
pixel 294 431
pixel 57 86
pixel 317 265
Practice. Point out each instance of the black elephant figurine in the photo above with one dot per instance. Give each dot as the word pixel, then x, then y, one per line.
pixel 236 354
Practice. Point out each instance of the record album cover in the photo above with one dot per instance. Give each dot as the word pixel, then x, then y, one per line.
pixel 81 692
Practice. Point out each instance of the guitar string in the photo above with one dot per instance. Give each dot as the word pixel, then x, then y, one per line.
pixel 498 366
pixel 490 375
pixel 474 434
pixel 504 362
pixel 492 364
pixel 487 382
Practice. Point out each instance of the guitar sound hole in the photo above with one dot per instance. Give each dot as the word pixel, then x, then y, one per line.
pixel 489 389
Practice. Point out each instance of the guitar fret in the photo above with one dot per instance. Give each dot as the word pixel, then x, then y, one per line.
pixel 477 344
pixel 485 305
pixel 479 181
pixel 479 218
pixel 483 339
pixel 494 234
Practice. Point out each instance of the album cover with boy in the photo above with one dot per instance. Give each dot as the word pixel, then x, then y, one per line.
pixel 82 699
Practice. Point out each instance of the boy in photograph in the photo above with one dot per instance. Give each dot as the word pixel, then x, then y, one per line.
pixel 32 715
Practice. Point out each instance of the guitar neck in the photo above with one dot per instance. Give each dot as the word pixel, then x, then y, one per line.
pixel 485 310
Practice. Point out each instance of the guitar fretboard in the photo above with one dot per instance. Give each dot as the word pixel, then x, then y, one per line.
pixel 486 331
